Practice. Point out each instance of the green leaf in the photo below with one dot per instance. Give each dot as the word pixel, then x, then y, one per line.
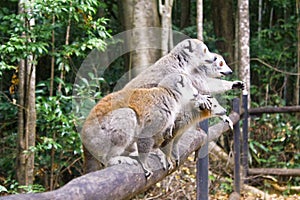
pixel 3 189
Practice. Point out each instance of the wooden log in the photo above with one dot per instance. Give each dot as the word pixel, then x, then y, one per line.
pixel 274 171
pixel 262 110
pixel 124 181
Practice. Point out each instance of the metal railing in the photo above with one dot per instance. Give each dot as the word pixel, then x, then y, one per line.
pixel 241 148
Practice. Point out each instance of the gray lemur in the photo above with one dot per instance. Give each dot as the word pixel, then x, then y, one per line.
pixel 190 57
pixel 137 121
pixel 190 116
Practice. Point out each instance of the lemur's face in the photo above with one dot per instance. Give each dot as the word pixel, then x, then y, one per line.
pixel 215 69
pixel 220 67
pixel 216 108
pixel 201 60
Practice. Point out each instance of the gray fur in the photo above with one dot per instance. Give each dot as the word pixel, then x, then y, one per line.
pixel 141 128
pixel 186 58
pixel 189 117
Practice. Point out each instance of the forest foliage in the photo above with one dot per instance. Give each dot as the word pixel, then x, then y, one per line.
pixel 274 139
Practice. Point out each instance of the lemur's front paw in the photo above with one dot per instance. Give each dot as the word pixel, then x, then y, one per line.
pixel 228 120
pixel 170 164
pixel 204 102
pixel 176 158
pixel 238 85
pixel 177 162
pixel 169 133
pixel 147 171
pixel 148 174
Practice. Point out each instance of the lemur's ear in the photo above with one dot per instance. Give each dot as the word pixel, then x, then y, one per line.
pixel 189 46
pixel 181 80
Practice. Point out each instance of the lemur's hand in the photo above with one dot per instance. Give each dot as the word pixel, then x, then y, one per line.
pixel 238 85
pixel 225 118
pixel 203 102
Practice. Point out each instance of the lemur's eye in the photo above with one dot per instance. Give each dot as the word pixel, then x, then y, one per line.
pixel 215 58
pixel 204 50
pixel 221 63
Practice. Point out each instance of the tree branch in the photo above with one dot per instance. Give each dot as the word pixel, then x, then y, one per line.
pixel 125 181
pixel 262 110
pixel 274 171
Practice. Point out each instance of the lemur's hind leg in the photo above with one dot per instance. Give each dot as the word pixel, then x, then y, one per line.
pixel 167 151
pixel 144 148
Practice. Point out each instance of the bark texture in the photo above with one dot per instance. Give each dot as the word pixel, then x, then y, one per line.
pixel 26 111
pixel 297 92
pixel 185 14
pixel 244 39
pixel 200 19
pixel 138 15
pixel 165 11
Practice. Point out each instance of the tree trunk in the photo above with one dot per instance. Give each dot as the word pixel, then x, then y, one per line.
pixel 244 39
pixel 185 14
pixel 26 112
pixel 165 11
pixel 259 19
pixel 67 38
pixel 140 14
pixel 236 44
pixel 244 53
pixel 297 92
pixel 52 58
pixel 223 22
pixel 200 19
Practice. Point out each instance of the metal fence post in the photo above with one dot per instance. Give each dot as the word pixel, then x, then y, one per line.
pixel 202 166
pixel 245 148
pixel 236 147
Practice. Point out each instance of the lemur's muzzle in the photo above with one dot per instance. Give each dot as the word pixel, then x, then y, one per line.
pixel 226 73
pixel 222 113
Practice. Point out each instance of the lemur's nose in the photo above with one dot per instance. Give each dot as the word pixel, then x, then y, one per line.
pixel 226 72
pixel 223 112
